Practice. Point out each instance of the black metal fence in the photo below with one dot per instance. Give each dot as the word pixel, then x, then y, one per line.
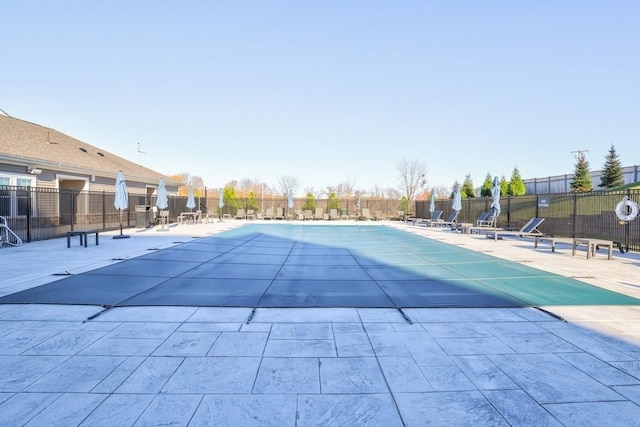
pixel 42 213
pixel 345 206
pixel 566 214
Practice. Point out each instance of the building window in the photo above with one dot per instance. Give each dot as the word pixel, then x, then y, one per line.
pixel 15 194
pixel 23 192
pixel 5 196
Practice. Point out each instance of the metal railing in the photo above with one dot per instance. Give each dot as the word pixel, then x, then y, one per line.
pixel 42 213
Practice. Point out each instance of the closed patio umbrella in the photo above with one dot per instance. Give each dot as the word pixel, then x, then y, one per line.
pixel 456 204
pixel 432 204
pixel 121 200
pixel 191 202
pixel 358 203
pixel 290 200
pixel 162 203
pixel 495 193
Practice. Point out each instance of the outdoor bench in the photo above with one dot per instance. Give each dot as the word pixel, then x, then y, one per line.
pixel 552 241
pixel 83 236
pixel 592 245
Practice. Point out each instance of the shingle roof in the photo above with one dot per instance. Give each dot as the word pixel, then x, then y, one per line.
pixel 44 147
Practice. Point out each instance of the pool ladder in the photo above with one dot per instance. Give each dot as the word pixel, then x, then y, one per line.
pixel 7 236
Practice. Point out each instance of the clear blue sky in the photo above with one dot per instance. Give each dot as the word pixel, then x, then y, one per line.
pixel 329 91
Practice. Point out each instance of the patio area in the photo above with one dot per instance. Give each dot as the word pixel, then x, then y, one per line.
pixel 182 364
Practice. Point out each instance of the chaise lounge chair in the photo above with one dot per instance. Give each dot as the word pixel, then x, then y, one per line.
pixel 365 215
pixel 486 222
pixel 530 229
pixel 241 214
pixel 379 216
pixel 280 213
pixel 435 216
pixel 268 214
pixel 450 222
pixel 482 218
pixel 333 214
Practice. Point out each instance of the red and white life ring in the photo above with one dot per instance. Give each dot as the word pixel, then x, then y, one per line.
pixel 627 210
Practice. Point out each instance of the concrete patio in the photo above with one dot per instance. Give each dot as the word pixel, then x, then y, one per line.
pixel 556 365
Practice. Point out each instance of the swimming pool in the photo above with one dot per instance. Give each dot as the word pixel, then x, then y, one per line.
pixel 294 265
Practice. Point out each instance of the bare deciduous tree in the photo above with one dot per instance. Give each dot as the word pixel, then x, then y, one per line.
pixel 247 185
pixel 393 193
pixel 288 183
pixel 411 174
pixel 377 191
pixel 345 188
pixel 441 191
pixel 187 179
pixel 232 184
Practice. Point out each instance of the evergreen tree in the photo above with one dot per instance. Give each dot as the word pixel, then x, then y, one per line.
pixel 230 200
pixel 516 185
pixel 333 202
pixel 310 202
pixel 467 189
pixel 404 205
pixel 581 179
pixel 612 171
pixel 252 202
pixel 504 186
pixel 485 191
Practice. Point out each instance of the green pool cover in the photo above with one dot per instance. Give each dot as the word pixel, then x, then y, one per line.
pixel 298 265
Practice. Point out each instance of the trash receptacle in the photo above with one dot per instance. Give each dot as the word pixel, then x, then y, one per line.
pixel 143 216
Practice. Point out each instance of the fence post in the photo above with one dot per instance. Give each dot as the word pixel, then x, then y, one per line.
pixel 104 210
pixel 29 214
pixel 72 209
pixel 575 216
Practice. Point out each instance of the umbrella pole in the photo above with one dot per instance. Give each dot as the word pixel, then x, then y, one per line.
pixel 121 236
pixel 162 220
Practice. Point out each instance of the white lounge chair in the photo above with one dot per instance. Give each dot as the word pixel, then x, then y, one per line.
pixel 365 215
pixel 268 214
